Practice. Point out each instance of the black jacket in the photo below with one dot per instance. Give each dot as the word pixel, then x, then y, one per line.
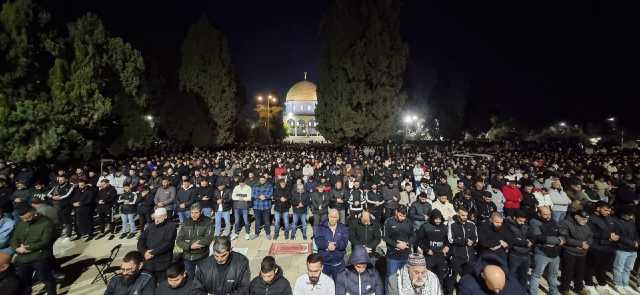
pixel 459 201
pixel 320 200
pixel 231 278
pixel 83 196
pixel 628 234
pixel 546 236
pixel 489 237
pixel 419 211
pixel 184 289
pixel 279 286
pixel 519 243
pixel 338 194
pixel 107 195
pixel 145 284
pixel 159 238
pixel 128 203
pixel 186 197
pixel 602 227
pixel 9 282
pixel 459 233
pixel 398 231
pixel 368 235
pixel 297 198
pixel 225 196
pixel 278 193
pixel 529 204
pixel 473 284
pixel 483 211
pixel 206 192
pixel 432 237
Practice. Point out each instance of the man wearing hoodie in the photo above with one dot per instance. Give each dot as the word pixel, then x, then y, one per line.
pixel 271 279
pixel 490 276
pixel 360 277
pixel 434 243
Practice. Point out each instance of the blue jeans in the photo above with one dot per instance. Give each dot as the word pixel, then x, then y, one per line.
pixel 302 217
pixel 541 262
pixel 128 223
pixel 622 266
pixel 227 222
pixel 208 212
pixel 245 216
pixel 393 265
pixel 558 215
pixel 184 215
pixel 281 216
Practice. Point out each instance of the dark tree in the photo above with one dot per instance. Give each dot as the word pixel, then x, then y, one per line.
pixel 362 72
pixel 59 92
pixel 207 72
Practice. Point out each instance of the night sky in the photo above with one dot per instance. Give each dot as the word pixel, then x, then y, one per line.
pixel 539 61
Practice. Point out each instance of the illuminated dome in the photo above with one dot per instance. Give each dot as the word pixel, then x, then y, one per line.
pixel 302 91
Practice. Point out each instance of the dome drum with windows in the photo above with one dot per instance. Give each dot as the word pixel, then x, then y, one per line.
pixel 300 107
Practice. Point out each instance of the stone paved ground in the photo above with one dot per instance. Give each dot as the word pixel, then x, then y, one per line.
pixel 77 259
pixel 78 256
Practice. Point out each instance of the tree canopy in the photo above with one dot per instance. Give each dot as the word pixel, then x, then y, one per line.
pixel 362 72
pixel 59 90
pixel 207 72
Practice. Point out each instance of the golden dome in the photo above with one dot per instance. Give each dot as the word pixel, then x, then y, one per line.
pixel 302 91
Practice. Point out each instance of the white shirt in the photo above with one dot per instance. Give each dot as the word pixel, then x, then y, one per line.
pixel 303 286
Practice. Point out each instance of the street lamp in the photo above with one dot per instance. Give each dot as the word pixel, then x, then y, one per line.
pixel 562 124
pixel 611 119
pixel 270 98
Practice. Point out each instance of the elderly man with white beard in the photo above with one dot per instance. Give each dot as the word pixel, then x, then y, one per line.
pixel 414 279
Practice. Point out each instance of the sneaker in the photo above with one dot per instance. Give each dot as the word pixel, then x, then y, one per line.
pixel 123 235
pixel 132 235
pixel 253 237
pixel 234 236
pixel 247 237
pixel 268 237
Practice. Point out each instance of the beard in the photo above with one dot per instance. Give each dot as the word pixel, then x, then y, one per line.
pixel 314 280
pixel 129 279
pixel 418 283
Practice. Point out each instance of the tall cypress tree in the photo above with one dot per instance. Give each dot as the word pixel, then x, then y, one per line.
pixel 361 75
pixel 207 72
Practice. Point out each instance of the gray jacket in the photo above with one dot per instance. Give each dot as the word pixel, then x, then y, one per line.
pixel 574 234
